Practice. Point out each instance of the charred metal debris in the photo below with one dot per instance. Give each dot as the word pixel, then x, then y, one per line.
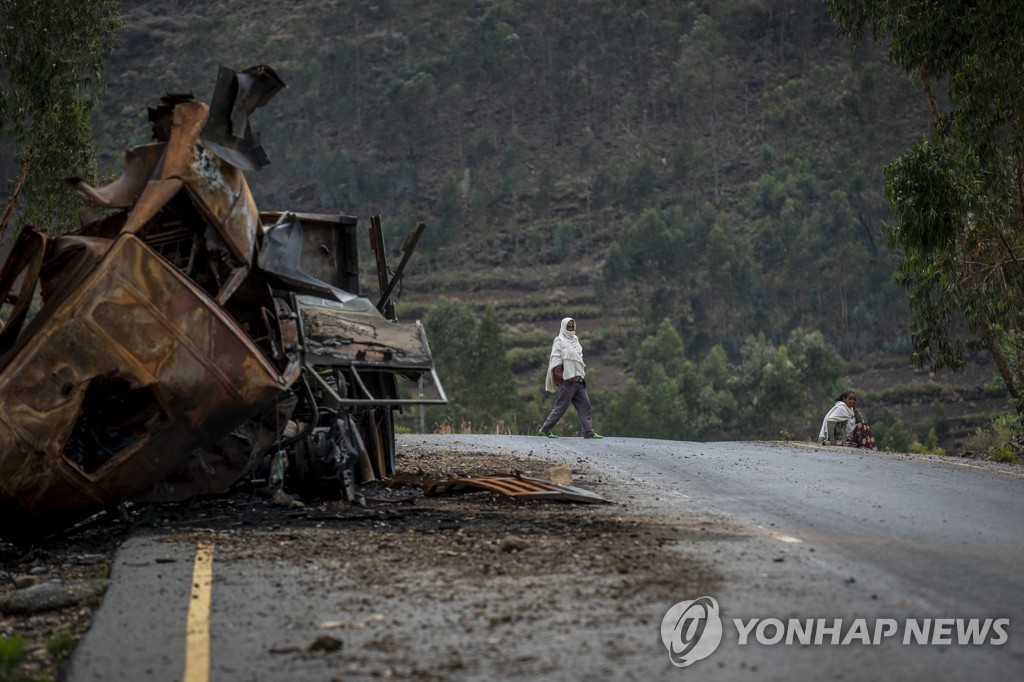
pixel 181 341
pixel 516 486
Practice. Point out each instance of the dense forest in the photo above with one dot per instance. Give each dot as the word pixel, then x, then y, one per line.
pixel 698 183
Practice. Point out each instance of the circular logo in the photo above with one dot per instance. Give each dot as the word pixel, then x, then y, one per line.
pixel 691 630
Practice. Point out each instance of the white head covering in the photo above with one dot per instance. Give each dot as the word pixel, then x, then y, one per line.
pixel 566 351
pixel 839 412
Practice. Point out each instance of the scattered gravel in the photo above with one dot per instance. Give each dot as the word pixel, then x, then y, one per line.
pixel 499 559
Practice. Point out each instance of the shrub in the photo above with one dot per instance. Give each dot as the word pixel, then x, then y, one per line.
pixel 524 359
pixel 60 644
pixel 921 449
pixel 1004 453
pixel 896 438
pixel 994 436
pixel 12 655
pixel 930 446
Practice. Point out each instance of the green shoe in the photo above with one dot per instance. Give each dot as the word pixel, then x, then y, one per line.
pixel 594 435
pixel 547 434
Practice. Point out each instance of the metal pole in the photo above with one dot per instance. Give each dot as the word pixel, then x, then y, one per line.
pixel 423 418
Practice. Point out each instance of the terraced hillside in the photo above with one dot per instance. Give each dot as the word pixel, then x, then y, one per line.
pixel 722 161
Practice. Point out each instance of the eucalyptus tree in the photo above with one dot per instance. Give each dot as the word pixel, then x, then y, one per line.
pixel 51 63
pixel 470 354
pixel 702 72
pixel 958 194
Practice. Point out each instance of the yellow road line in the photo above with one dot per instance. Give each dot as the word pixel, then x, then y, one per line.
pixel 197 637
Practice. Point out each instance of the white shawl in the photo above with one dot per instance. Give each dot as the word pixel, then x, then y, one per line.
pixel 566 351
pixel 839 412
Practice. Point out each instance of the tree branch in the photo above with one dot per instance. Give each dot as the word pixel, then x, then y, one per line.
pixel 931 96
pixel 16 194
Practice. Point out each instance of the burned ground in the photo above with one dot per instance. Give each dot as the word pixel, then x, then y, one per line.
pixel 502 563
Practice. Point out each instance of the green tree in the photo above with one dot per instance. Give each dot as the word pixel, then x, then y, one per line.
pixel 658 402
pixel 449 212
pixel 664 349
pixel 650 272
pixel 491 381
pixel 958 195
pixel 473 364
pixel 415 99
pixel 666 411
pixel 767 387
pixel 717 405
pixel 451 328
pixel 51 59
pixel 628 414
pixel 700 72
pixel 771 389
pixel 819 368
pixel 897 438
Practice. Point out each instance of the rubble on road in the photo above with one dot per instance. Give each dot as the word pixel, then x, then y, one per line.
pixel 516 486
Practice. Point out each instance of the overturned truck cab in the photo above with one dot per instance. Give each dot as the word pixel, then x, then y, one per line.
pixel 180 340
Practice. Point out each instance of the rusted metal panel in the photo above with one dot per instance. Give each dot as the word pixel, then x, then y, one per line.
pixel 329 247
pixel 282 248
pixel 520 487
pixel 386 306
pixel 218 188
pixel 139 164
pixel 154 197
pixel 235 97
pixel 18 282
pixel 355 333
pixel 181 335
pixel 173 370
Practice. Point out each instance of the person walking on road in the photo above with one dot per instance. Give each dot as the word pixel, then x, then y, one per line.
pixel 567 375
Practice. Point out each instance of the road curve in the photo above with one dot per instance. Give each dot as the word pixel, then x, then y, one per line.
pixel 800 534
pixel 831 532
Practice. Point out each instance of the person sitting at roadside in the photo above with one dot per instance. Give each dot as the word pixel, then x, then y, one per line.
pixel 844 424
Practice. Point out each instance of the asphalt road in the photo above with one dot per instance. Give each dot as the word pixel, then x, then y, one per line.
pixel 832 539
pixel 857 534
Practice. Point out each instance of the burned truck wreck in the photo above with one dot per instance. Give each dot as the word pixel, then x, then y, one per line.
pixel 181 341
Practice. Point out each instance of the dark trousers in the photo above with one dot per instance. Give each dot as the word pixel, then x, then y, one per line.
pixel 574 394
